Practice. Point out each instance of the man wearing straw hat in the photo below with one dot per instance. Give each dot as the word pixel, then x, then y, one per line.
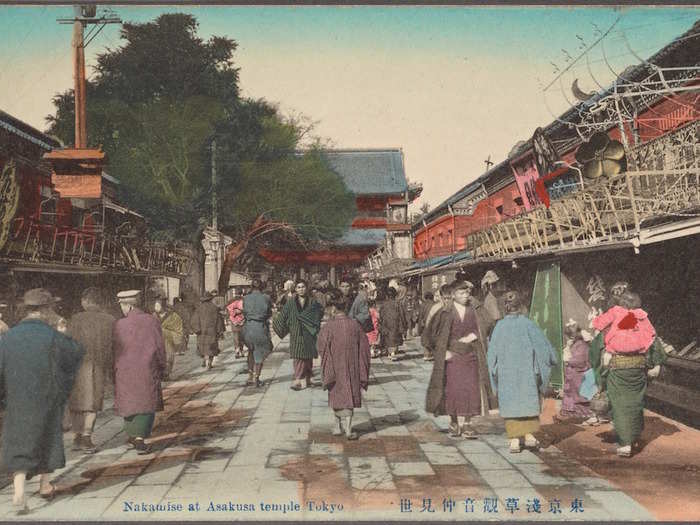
pixel 139 366
pixel 37 370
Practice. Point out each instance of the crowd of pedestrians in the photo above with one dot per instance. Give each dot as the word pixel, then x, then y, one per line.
pixel 488 359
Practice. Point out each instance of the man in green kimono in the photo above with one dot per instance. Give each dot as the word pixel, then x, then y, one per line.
pixel 301 319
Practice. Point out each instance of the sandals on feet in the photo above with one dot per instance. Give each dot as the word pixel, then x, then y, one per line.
pixel 469 434
pixel 50 494
pixel 624 452
pixel 515 447
pixel 352 436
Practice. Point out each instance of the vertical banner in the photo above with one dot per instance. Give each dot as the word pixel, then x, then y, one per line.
pixel 545 311
pixel 526 176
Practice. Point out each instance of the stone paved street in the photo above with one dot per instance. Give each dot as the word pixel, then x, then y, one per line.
pixel 219 442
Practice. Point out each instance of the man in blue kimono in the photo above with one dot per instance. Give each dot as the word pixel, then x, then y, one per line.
pixel 257 310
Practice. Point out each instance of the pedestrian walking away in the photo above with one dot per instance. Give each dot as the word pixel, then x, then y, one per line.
pixel 208 325
pixel 520 362
pixel 139 366
pixel 37 370
pixel 183 310
pixel 173 332
pixel 632 354
pixel 237 319
pixel 345 360
pixel 92 328
pixel 392 323
pixel 301 319
pixel 257 310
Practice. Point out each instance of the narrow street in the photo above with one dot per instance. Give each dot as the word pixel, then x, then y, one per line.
pixel 226 451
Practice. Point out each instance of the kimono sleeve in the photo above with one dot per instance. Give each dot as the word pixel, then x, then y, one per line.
pixel 196 322
pixel 496 344
pixel 317 314
pixel 403 315
pixel 360 309
pixel 323 346
pixel 68 354
pixel 280 324
pixel 604 319
pixel 365 357
pixel 545 357
pixel 595 352
pixel 159 356
pixel 220 326
pixel 656 354
pixel 268 307
pixel 382 319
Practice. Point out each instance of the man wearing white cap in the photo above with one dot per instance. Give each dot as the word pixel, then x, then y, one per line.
pixel 139 365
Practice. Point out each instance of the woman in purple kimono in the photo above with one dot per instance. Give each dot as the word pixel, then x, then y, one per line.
pixel 574 405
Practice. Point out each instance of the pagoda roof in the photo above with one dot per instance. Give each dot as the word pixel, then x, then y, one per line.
pixel 369 171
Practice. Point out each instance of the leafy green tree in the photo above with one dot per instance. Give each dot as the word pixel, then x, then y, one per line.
pixel 156 103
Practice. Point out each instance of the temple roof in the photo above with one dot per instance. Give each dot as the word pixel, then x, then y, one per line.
pixel 369 171
pixel 361 237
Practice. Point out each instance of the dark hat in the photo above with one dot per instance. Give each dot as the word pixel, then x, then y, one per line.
pixel 511 301
pixel 461 285
pixel 39 297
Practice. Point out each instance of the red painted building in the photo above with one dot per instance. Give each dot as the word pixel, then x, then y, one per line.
pixel 510 188
pixel 382 195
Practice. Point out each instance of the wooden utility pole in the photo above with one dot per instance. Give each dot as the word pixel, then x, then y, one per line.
pixel 79 79
pixel 84 15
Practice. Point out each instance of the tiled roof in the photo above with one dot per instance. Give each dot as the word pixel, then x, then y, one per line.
pixel 369 172
pixel 24 130
pixel 361 237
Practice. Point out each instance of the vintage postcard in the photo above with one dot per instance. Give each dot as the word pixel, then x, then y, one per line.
pixel 381 263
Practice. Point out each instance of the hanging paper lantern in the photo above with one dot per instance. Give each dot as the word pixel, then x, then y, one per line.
pixel 601 157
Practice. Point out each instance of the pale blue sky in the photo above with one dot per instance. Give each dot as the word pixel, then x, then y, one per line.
pixel 450 85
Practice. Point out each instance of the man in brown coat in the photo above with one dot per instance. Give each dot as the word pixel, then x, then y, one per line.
pixel 344 351
pixel 92 328
pixel 459 384
pixel 208 324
